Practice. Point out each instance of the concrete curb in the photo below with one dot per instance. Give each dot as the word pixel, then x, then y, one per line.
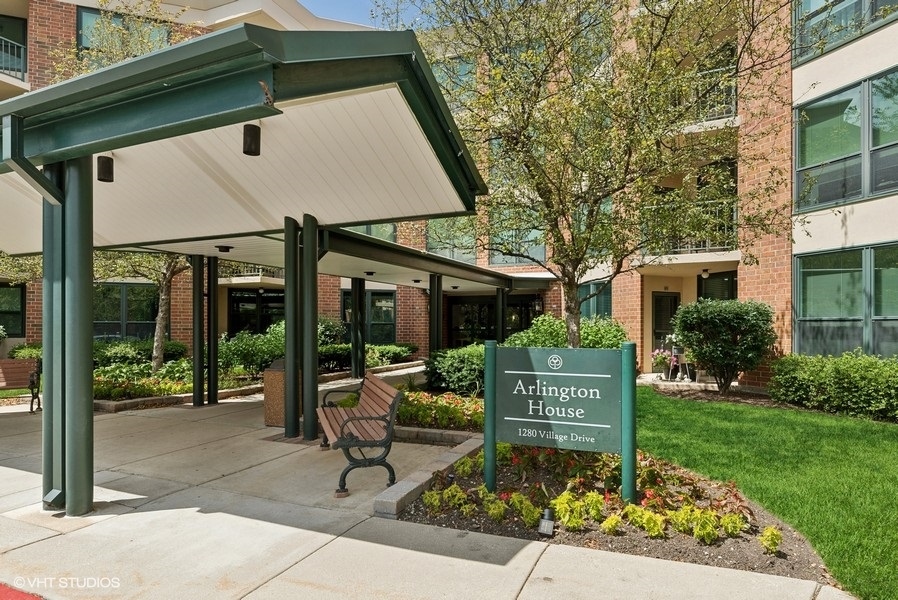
pixel 392 501
pixel 114 406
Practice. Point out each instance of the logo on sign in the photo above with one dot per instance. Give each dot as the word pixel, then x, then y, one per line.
pixel 555 362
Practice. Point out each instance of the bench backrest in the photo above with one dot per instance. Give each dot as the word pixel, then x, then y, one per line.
pixel 16 373
pixel 378 397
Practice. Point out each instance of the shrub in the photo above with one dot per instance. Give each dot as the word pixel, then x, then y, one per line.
pixel 253 352
pixel 393 354
pixel 330 330
pixel 853 383
pixel 601 332
pixel 546 331
pixel 446 411
pixel 611 525
pixel 32 351
pixel 335 357
pixel 116 353
pixel 457 369
pixel 770 539
pixel 549 331
pixel 726 337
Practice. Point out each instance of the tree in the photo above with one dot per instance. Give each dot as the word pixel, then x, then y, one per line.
pixel 608 128
pixel 726 337
pixel 161 269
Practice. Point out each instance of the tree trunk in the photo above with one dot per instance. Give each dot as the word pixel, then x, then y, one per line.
pixel 162 321
pixel 572 312
pixel 173 266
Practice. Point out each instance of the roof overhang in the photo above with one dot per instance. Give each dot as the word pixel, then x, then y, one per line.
pixel 353 130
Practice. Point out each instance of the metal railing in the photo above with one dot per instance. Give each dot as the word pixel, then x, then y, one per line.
pixel 231 270
pixel 714 96
pixel 13 59
pixel 721 216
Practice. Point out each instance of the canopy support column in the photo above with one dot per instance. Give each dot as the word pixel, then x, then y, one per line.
pixel 357 322
pixel 53 317
pixel 212 329
pixel 292 324
pixel 78 346
pixel 436 312
pixel 501 309
pixel 309 318
pixel 199 353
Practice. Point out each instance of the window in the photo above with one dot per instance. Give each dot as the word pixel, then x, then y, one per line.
pixel 381 231
pixel 718 286
pixel 848 299
pixel 822 25
pixel 597 306
pixel 88 18
pixel 12 309
pixel 508 237
pixel 847 144
pixel 125 311
pixel 380 316
pixel 254 310
pixel 445 237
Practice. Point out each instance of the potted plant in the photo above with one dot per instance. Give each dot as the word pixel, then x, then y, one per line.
pixel 662 361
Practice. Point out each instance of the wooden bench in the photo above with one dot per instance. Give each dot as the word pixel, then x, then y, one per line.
pixel 20 374
pixel 369 425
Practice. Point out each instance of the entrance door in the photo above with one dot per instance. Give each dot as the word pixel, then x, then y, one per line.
pixel 664 305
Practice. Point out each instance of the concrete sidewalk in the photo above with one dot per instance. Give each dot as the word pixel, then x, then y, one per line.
pixel 209 503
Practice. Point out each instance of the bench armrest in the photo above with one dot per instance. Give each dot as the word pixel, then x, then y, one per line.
pixel 325 402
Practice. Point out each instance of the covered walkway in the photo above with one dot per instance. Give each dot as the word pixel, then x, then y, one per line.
pixel 249 143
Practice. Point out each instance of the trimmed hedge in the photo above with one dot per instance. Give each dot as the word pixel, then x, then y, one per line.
pixel 457 369
pixel 854 384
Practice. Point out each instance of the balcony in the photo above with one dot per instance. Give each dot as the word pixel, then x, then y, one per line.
pixel 232 270
pixel 720 218
pixel 13 59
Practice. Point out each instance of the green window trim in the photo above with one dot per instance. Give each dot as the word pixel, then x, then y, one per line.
pixel 12 309
pixel 380 315
pixel 846 145
pixel 125 311
pixel 847 299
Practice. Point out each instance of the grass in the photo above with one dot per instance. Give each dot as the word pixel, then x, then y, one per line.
pixel 833 478
pixel 15 392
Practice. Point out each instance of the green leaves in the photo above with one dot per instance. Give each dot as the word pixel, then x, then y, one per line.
pixel 726 337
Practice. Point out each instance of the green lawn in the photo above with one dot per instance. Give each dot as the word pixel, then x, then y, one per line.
pixel 11 393
pixel 833 478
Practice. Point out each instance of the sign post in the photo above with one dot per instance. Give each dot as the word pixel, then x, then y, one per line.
pixel 569 398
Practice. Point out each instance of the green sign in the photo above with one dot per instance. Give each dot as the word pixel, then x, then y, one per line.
pixel 559 398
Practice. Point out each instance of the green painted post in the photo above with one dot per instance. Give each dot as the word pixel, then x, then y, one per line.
pixel 489 420
pixel 292 392
pixel 53 338
pixel 628 422
pixel 309 316
pixel 78 348
pixel 357 326
pixel 212 330
pixel 436 312
pixel 199 354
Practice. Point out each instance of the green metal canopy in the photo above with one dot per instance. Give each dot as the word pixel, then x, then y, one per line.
pixel 353 130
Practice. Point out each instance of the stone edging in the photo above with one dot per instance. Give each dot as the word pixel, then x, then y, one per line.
pixel 392 501
pixel 114 406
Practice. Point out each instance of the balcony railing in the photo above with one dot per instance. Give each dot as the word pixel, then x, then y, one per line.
pixel 715 96
pixel 13 59
pixel 721 235
pixel 232 270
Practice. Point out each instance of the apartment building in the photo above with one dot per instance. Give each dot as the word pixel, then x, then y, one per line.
pixel 832 289
pixel 845 95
